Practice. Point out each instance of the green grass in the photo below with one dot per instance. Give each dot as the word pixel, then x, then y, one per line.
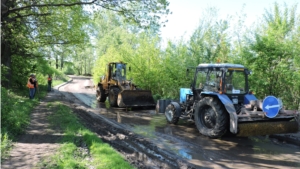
pixel 59 80
pixel 16 108
pixel 15 116
pixel 80 147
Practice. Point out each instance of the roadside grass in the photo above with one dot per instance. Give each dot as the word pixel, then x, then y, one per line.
pixel 15 116
pixel 59 80
pixel 16 108
pixel 80 147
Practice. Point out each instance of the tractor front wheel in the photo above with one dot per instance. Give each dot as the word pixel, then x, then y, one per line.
pixel 211 117
pixel 101 96
pixel 113 96
pixel 170 114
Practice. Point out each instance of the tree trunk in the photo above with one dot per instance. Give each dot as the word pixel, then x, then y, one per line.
pixel 56 62
pixel 84 65
pixel 50 59
pixel 6 60
pixel 61 62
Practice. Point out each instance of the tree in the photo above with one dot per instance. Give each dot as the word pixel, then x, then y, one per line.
pixel 273 54
pixel 36 23
pixel 210 41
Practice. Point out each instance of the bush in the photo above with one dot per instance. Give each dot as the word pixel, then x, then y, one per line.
pixel 69 71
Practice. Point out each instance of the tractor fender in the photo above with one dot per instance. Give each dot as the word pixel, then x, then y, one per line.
pixel 177 108
pixel 229 108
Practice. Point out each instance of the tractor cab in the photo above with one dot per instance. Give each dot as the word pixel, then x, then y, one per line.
pixel 229 79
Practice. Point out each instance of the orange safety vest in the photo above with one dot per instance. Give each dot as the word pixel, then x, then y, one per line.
pixel 30 85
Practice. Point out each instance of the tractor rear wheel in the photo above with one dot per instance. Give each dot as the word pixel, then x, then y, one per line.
pixel 211 117
pixel 113 96
pixel 101 96
pixel 170 113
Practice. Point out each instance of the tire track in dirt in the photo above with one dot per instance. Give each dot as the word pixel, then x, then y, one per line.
pixel 137 150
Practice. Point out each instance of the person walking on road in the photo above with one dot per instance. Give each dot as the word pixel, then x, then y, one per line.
pixel 49 83
pixel 30 85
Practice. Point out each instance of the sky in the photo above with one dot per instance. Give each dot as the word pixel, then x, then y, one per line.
pixel 186 14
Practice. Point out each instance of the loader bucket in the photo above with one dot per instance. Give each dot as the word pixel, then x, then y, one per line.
pixel 267 128
pixel 135 98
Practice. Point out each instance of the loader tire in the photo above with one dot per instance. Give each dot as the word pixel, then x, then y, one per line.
pixel 170 114
pixel 211 117
pixel 113 96
pixel 101 96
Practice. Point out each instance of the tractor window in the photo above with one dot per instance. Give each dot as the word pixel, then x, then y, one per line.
pixel 235 82
pixel 121 70
pixel 213 81
pixel 201 79
pixel 209 80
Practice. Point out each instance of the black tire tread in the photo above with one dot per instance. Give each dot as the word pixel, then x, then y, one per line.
pixel 174 120
pixel 222 118
pixel 113 101
pixel 101 96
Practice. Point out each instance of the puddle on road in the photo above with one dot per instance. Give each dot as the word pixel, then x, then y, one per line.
pixel 185 154
pixel 149 130
pixel 95 104
pixel 185 140
pixel 189 144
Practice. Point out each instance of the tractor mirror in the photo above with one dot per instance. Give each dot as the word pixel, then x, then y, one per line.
pixel 249 72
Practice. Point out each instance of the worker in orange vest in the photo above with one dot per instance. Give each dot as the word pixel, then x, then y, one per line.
pixel 30 85
pixel 35 82
pixel 49 83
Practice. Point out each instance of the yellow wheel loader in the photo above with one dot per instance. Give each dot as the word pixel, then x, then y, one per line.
pixel 120 91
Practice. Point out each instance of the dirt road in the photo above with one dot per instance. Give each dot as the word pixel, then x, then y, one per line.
pixel 185 141
pixel 146 141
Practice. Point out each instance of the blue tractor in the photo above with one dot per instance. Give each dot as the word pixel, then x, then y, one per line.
pixel 219 101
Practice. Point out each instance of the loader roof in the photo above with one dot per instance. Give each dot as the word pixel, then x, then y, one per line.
pixel 220 65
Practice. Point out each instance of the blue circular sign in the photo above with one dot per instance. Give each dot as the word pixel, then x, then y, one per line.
pixel 271 106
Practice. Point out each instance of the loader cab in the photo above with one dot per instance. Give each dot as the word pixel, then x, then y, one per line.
pixel 117 71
